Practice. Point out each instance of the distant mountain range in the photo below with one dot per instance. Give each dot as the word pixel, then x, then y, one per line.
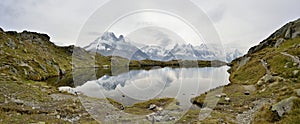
pixel 108 44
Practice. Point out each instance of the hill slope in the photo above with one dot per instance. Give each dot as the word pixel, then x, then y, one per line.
pixel 29 58
pixel 265 83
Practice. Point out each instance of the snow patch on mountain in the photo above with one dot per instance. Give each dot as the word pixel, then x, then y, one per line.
pixel 110 45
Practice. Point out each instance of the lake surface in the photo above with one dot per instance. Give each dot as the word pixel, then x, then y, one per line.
pixel 142 85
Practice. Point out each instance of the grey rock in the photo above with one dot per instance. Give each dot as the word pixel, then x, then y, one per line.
pixel 223 94
pixel 13 70
pixel 161 116
pixel 295 64
pixel 298 92
pixel 284 106
pixel 287 65
pixel 247 93
pixel 265 79
pixel 296 73
pixel 25 72
pixel 218 96
pixel 22 64
pixel 152 107
pixel 43 67
pixel 11 44
pixel 243 61
pixel 288 33
pixel 296 34
pixel 227 99
pixel 279 42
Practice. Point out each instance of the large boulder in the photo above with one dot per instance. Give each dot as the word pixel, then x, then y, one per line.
pixel 284 106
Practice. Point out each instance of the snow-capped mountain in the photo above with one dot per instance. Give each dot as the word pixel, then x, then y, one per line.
pixel 233 54
pixel 110 45
pixel 155 52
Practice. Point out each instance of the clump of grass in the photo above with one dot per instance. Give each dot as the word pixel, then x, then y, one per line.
pixel 141 108
pixel 191 116
pixel 278 63
pixel 115 103
pixel 250 73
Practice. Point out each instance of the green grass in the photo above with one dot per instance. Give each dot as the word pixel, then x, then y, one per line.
pixel 141 108
pixel 249 73
pixel 115 103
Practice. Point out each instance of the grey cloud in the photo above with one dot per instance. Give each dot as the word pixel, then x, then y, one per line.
pixel 239 22
pixel 94 33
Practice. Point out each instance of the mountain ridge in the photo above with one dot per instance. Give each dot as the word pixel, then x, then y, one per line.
pixel 110 46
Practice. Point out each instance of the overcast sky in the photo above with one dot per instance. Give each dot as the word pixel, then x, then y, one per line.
pixel 239 23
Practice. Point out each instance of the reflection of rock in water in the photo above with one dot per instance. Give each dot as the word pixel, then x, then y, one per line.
pixel 111 82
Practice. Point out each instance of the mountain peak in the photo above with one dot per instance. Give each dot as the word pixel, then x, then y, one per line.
pixel 110 36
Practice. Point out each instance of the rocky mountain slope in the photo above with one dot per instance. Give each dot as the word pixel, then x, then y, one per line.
pixel 32 56
pixel 27 60
pixel 265 83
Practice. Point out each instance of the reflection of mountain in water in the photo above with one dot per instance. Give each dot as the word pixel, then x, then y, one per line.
pixel 164 75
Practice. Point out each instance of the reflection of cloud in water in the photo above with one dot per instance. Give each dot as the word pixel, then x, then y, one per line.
pixel 137 85
pixel 164 75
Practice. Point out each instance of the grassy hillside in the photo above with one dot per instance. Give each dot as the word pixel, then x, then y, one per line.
pixel 264 84
pixel 31 56
pixel 27 59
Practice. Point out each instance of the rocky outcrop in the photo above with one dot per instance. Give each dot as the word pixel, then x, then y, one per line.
pixel 295 59
pixel 284 106
pixel 288 31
